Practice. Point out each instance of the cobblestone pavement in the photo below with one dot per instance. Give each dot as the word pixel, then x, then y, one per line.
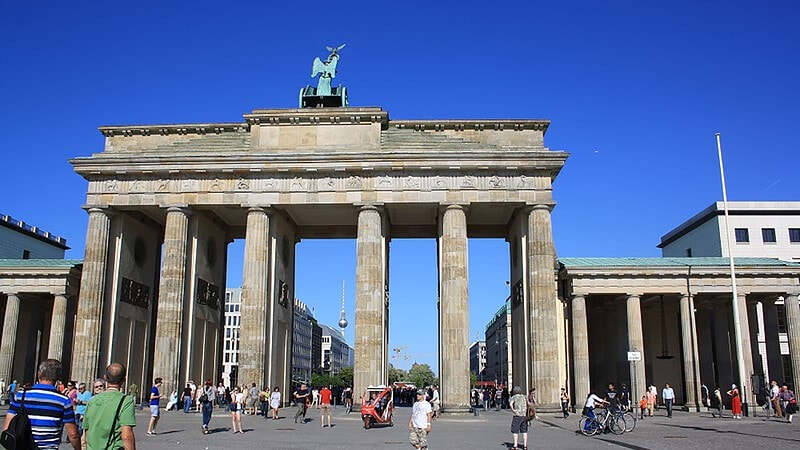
pixel 489 430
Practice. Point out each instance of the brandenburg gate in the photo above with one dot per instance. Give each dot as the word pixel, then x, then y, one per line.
pixel 164 201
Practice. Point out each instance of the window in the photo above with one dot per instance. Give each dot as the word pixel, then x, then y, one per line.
pixel 742 235
pixel 689 252
pixel 768 234
pixel 794 234
pixel 26 254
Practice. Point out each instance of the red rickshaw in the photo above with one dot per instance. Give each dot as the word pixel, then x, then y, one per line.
pixel 377 405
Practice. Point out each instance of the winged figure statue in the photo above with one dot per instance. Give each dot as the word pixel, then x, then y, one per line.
pixel 326 69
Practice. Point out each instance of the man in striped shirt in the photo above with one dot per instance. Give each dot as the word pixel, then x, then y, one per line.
pixel 49 411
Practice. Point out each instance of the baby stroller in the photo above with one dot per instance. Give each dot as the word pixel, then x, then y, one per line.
pixel 377 405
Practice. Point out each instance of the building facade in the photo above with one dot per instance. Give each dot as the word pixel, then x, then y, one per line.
pixel 477 359
pixel 19 240
pixel 499 365
pixel 335 351
pixel 233 326
pixel 303 343
pixel 759 229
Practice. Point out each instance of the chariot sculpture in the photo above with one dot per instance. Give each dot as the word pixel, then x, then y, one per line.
pixel 324 95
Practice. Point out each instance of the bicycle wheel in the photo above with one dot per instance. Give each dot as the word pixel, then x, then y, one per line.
pixel 630 421
pixel 616 424
pixel 588 426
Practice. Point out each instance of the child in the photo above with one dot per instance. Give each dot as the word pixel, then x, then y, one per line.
pixel 643 406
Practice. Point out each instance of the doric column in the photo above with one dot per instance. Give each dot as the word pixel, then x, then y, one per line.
pixel 255 299
pixel 793 331
pixel 636 343
pixel 580 349
pixel 544 305
pixel 171 299
pixel 9 342
pixel 454 310
pixel 370 361
pixel 57 323
pixel 89 320
pixel 747 353
pixel 688 345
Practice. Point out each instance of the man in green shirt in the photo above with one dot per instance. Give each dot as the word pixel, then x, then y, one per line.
pixel 110 416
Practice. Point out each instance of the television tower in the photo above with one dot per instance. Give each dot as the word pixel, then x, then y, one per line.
pixel 342 319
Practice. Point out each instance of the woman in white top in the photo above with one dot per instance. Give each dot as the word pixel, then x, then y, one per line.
pixel 275 402
pixel 237 402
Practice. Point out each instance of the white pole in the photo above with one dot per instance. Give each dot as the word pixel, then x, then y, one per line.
pixel 737 328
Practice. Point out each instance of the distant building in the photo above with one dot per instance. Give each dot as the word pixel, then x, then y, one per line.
pixel 302 342
pixel 761 229
pixel 477 358
pixel 498 347
pixel 19 240
pixel 38 299
pixel 335 351
pixel 233 323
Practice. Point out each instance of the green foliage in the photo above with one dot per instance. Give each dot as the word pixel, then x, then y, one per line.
pixel 473 379
pixel 421 375
pixel 396 374
pixel 344 378
pixel 321 379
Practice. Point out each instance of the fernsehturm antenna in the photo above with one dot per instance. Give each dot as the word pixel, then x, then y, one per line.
pixel 342 319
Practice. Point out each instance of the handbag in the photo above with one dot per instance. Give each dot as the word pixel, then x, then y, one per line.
pixel 530 414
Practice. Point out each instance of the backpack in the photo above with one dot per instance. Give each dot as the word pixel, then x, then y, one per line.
pixel 18 435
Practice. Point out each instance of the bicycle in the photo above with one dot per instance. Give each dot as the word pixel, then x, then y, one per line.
pixel 614 422
pixel 630 419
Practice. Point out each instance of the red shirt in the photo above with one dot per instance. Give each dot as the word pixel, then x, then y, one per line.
pixel 325 396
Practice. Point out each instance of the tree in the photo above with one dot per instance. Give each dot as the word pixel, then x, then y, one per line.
pixel 344 378
pixel 473 379
pixel 321 379
pixel 396 374
pixel 421 375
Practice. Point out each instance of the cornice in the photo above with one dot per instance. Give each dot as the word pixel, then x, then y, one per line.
pixel 473 124
pixel 174 129
pixel 317 116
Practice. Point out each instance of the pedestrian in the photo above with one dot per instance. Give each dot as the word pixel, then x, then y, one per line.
pixel 532 403
pixel 252 399
pixel 652 388
pixel 111 415
pixel 519 421
pixel 668 394
pixel 49 410
pixel 314 398
pixel 275 402
pixel 84 395
pixel 436 402
pixel 206 400
pixel 155 398
pixel 788 402
pixel 564 402
pixel 133 391
pixel 325 405
pixel 301 395
pixel 498 399
pixel 642 406
pixel 486 397
pixel 716 401
pixel 420 421
pixel 187 398
pixel 736 402
pixel 236 405
pixel 624 397
pixel 651 401
pixel 592 402
pixel 220 395
pixel 348 399
pixel 612 398
pixel 774 398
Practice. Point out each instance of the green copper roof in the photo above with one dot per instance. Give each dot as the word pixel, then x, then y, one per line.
pixel 650 262
pixel 40 262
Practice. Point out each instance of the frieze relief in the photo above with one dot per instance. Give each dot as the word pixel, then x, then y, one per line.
pixel 381 181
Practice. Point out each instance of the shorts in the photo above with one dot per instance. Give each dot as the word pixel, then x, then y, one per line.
pixel 251 402
pixel 326 406
pixel 154 411
pixel 418 437
pixel 519 424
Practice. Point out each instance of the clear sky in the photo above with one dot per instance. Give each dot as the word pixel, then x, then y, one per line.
pixel 635 91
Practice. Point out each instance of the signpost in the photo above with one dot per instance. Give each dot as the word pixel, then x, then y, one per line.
pixel 633 357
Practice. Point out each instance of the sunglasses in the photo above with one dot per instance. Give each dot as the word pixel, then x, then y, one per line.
pixel 98 386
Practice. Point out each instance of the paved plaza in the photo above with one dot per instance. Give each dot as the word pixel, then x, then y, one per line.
pixel 490 430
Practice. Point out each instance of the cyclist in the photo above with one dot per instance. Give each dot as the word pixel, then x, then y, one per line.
pixel 612 398
pixel 592 401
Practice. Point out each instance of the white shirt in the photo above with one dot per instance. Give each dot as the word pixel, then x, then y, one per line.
pixel 774 391
pixel 591 401
pixel 668 394
pixel 435 398
pixel 419 414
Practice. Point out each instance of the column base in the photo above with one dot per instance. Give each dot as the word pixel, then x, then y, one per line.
pixel 458 411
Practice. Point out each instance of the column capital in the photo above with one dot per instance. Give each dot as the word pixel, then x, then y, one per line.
pixel 629 295
pixel 445 206
pixel 369 206
pixel 539 207
pixel 578 296
pixel 792 294
pixel 266 209
pixel 179 208
pixel 94 209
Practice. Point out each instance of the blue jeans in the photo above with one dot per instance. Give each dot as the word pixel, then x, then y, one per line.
pixel 187 404
pixel 207 408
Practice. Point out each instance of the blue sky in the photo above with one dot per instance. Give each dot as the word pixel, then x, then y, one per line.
pixel 635 91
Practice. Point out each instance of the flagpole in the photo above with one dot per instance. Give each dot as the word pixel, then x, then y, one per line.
pixel 737 327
